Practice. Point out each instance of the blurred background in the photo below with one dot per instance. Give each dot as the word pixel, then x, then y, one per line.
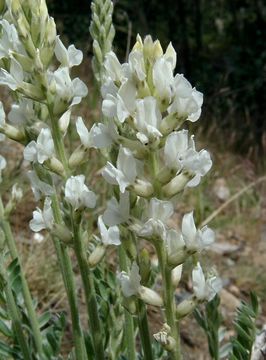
pixel 221 49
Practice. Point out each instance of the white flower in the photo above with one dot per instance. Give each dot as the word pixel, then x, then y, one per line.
pixel 170 55
pixel 42 149
pixel 43 219
pixel 147 119
pixel 16 193
pixel 175 247
pixel 14 78
pixel 22 113
pixel 67 57
pixel 2 165
pixel 136 64
pixel 196 240
pixel 39 187
pixel 158 213
pixel 204 289
pixel 126 171
pixel 9 40
pixel 78 194
pixel 187 101
pixel 163 79
pixel 117 212
pixel 67 90
pixel 121 102
pixel 109 236
pixel 130 283
pixel 99 136
pixel 113 68
pixel 180 154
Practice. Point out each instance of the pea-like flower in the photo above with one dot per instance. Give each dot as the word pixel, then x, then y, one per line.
pixel 42 149
pixel 99 136
pixel 159 212
pixel 43 219
pixel 126 171
pixel 117 212
pixel 204 289
pixel 78 194
pixel 131 286
pixel 67 57
pixel 9 40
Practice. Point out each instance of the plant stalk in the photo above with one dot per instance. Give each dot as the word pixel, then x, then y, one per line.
pixel 169 301
pixel 129 324
pixel 25 289
pixel 90 294
pixel 69 282
pixel 144 330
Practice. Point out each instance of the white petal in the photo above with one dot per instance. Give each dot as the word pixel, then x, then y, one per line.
pixel 83 132
pixel 189 230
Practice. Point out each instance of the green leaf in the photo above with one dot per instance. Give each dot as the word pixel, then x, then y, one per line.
pixel 44 319
pixel 5 330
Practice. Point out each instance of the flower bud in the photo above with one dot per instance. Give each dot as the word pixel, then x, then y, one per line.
pixel 144 266
pixel 143 188
pixel 185 307
pixel 16 193
pixel 129 303
pixel 176 185
pixel 150 296
pixel 97 255
pixel 176 275
pixel 50 35
pixel 169 123
pixel 56 166
pixel 2 240
pixel 13 133
pixel 64 121
pixel 62 232
pixel 77 157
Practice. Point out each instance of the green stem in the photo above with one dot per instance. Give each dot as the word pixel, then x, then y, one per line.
pixel 129 324
pixel 144 330
pixel 69 282
pixel 25 289
pixel 169 301
pixel 90 294
pixel 58 140
pixel 16 322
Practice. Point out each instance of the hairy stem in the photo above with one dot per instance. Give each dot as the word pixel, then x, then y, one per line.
pixel 144 330
pixel 25 289
pixel 69 282
pixel 169 301
pixel 90 294
pixel 129 324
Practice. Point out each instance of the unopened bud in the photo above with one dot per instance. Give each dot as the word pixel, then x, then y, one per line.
pixel 176 185
pixel 138 44
pixel 50 35
pixel 97 51
pixel 185 307
pixel 62 232
pixel 2 240
pixel 13 133
pixel 150 296
pixel 129 303
pixel 157 49
pixel 77 157
pixel 55 165
pixel 176 275
pixel 97 255
pixel 24 61
pixel 176 257
pixel 165 175
pixel 144 266
pixel 16 193
pixel 64 121
pixel 143 188
pixel 170 123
